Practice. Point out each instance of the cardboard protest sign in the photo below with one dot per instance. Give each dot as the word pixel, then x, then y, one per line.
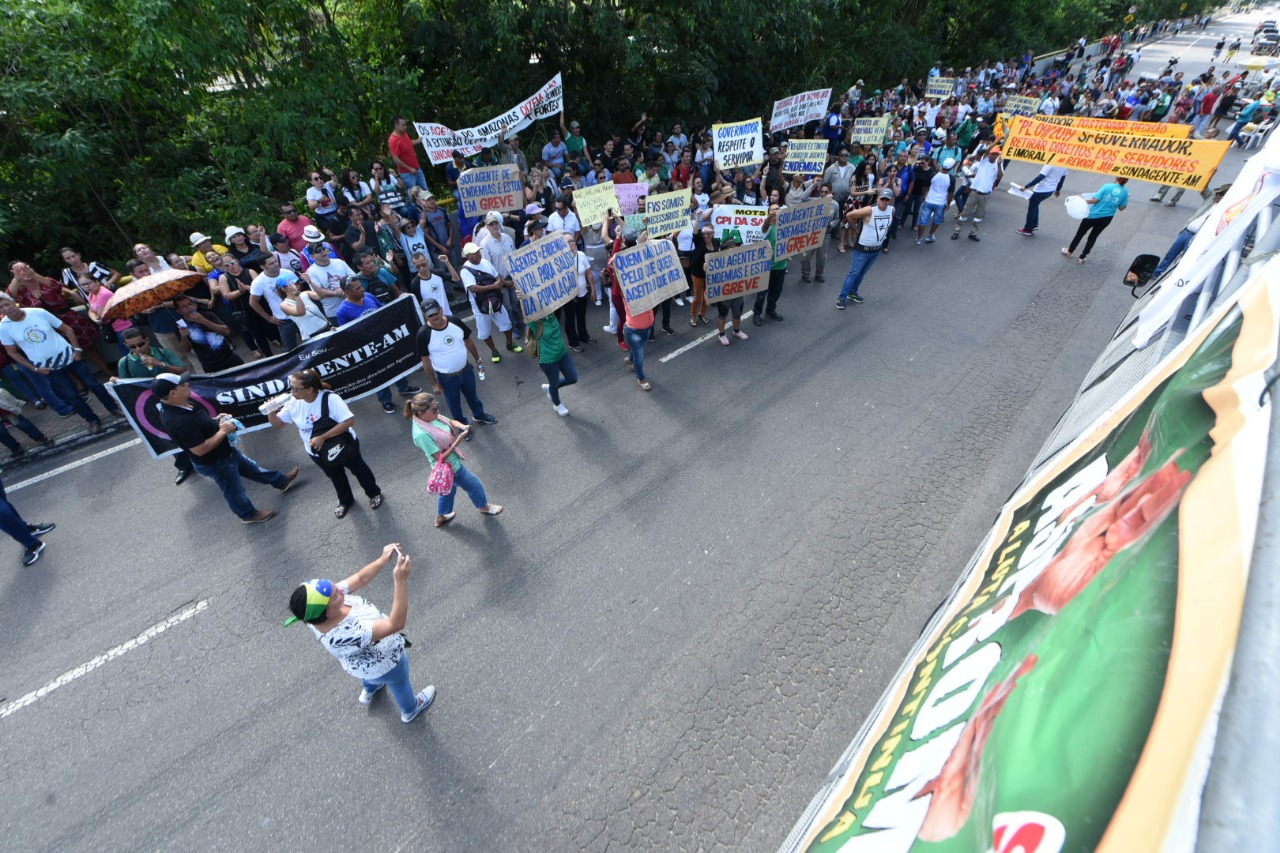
pixel 870 131
pixel 490 188
pixel 806 156
pixel 743 224
pixel 1160 160
pixel 649 273
pixel 802 227
pixel 740 271
pixel 1111 125
pixel 634 222
pixel 667 213
pixel 545 273
pixel 594 203
pixel 440 142
pixel 1020 105
pixel 629 196
pixel 738 144
pixel 799 109
pixel 941 87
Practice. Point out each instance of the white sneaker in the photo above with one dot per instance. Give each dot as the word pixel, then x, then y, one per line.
pixel 366 697
pixel 598 303
pixel 561 410
pixel 739 334
pixel 680 301
pixel 611 330
pixel 425 698
pixel 546 389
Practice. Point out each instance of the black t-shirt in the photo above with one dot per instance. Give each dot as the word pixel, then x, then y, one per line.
pixel 213 350
pixel 923 178
pixel 191 428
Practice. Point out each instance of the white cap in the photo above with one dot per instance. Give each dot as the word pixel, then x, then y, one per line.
pixel 492 216
pixel 948 164
pixel 470 249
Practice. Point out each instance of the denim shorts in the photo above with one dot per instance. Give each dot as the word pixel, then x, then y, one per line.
pixel 931 214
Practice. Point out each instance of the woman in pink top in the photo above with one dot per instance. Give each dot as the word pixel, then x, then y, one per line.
pixel 637 327
pixel 99 296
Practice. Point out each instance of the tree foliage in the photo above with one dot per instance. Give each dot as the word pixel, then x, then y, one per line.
pixel 127 120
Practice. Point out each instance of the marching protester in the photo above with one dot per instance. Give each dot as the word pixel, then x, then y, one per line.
pixel 636 327
pixel 24 534
pixel 484 288
pixel 987 175
pixel 1104 204
pixel 438 438
pixel 368 643
pixel 443 344
pixel 546 344
pixel 325 424
pixel 766 304
pixel 1047 183
pixel 876 222
pixel 213 454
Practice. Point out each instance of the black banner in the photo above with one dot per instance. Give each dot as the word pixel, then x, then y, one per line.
pixel 358 359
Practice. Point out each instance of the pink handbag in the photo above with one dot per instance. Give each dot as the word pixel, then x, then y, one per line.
pixel 441 480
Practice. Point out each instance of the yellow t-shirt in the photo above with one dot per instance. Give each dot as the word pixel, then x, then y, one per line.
pixel 198 260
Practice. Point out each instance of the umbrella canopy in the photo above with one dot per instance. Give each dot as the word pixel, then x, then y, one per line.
pixel 149 291
pixel 1259 63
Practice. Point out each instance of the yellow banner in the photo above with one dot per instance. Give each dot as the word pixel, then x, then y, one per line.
pixel 594 203
pixel 1176 162
pixel 1111 125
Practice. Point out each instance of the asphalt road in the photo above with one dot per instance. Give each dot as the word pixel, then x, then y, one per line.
pixel 692 601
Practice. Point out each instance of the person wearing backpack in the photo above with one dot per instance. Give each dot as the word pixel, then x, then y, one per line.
pixel 325 422
pixel 484 288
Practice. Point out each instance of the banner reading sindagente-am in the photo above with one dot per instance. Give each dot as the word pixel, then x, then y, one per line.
pixel 490 188
pixel 649 273
pixel 356 360
pixel 1065 697
pixel 1162 160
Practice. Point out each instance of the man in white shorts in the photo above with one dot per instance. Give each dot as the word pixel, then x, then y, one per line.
pixel 480 279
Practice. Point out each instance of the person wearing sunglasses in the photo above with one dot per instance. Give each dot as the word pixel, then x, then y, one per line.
pixel 145 361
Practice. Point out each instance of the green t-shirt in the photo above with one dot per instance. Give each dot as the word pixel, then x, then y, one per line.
pixel 575 144
pixel 131 367
pixel 551 342
pixel 772 237
pixel 428 445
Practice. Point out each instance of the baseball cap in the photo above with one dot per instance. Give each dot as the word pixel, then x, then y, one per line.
pixel 197 238
pixel 309 601
pixel 574 124
pixel 471 249
pixel 431 307
pixel 492 216
pixel 948 164
pixel 277 237
pixel 166 382
pixel 886 193
pixel 774 150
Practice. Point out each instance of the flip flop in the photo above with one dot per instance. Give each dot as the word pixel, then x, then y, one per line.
pixel 340 511
pixel 644 386
pixel 375 501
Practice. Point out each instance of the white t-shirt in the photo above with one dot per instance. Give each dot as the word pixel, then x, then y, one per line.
pixel 467 274
pixel 303 415
pixel 351 641
pixel 268 288
pixel 361 192
pixel 320 195
pixel 568 222
pixel 985 175
pixel 447 349
pixel 938 189
pixel 433 288
pixel 329 277
pixel 584 264
pixel 37 336
pixel 311 323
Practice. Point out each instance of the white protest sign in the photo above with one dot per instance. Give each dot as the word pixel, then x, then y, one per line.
pixel 629 196
pixel 440 142
pixel 545 272
pixel 649 273
pixel 802 227
pixel 870 131
pixel 744 224
pixel 667 213
pixel 594 203
pixel 490 188
pixel 738 144
pixel 740 271
pixel 941 87
pixel 806 156
pixel 799 109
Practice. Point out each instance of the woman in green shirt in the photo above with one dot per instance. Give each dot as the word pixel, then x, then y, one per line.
pixel 553 358
pixel 438 437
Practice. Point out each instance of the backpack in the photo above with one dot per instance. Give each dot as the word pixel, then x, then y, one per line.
pixel 490 301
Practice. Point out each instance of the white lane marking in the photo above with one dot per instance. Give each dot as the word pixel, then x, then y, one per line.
pixel 708 336
pixel 93 457
pixel 85 668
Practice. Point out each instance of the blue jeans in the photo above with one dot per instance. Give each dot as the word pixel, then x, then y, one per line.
pixel 1179 246
pixel 12 523
pixel 470 484
pixel 384 394
pixel 553 371
pixel 397 681
pixel 636 339
pixel 21 385
pixel 414 179
pixel 1033 210
pixel 60 394
pixel 21 422
pixel 228 473
pixel 457 386
pixel 288 334
pixel 858 267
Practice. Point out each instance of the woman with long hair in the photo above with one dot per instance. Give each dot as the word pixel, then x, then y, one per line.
pixel 32 290
pixel 438 437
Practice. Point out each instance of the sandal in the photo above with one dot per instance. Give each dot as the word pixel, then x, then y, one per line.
pixel 1066 251
pixel 491 509
pixel 693 322
pixel 442 520
pixel 644 385
pixel 375 501
pixel 340 511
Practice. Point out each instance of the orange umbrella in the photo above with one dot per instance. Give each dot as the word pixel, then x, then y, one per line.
pixel 149 291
